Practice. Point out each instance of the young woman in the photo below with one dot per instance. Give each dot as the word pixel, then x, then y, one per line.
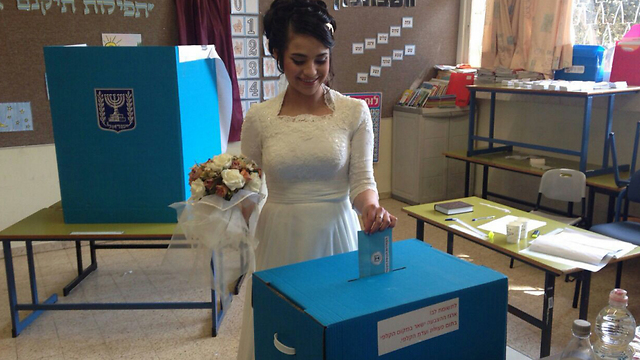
pixel 315 147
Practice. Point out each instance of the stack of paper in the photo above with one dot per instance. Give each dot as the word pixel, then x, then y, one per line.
pixel 582 249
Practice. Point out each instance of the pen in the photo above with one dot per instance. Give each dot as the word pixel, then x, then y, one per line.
pixel 483 218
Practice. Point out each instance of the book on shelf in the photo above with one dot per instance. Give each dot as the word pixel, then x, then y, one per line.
pixel 453 207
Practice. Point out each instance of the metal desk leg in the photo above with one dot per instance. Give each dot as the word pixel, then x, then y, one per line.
pixel 32 272
pixel 611 208
pixel 485 180
pixel 450 243
pixel 618 274
pixel 419 229
pixel 467 175
pixel 492 118
pixel 584 299
pixel 547 314
pixel 16 325
pixel 590 206
pixel 607 130
pixel 472 125
pixel 82 272
pixel 585 133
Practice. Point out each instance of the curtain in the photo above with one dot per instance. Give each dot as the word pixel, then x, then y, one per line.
pixel 534 35
pixel 206 22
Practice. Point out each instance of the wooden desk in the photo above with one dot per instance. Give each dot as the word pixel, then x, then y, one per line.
pixel 426 214
pixel 48 225
pixel 587 96
pixel 604 184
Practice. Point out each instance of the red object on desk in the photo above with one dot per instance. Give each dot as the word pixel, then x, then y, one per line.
pixel 458 86
pixel 627 57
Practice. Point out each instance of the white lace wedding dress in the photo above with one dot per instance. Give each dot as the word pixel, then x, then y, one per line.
pixel 314 167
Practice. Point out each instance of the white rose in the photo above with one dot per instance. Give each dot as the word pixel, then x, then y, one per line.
pixel 233 179
pixel 220 162
pixel 255 182
pixel 197 189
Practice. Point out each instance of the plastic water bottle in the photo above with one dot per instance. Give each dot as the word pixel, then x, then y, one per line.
pixel 579 348
pixel 615 328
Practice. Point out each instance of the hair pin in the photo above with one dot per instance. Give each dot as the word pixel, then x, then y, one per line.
pixel 330 27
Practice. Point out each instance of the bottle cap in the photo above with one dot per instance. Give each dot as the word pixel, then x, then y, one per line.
pixel 619 296
pixel 581 327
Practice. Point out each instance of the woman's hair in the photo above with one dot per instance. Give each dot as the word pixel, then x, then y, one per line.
pixel 304 17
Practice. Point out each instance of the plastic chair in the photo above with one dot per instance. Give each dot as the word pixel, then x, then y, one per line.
pixel 612 144
pixel 565 185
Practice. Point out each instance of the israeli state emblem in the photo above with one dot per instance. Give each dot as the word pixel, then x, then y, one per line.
pixel 115 109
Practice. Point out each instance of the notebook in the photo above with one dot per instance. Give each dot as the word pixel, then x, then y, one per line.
pixel 453 207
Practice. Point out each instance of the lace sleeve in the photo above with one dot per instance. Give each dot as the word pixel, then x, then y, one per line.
pixel 361 158
pixel 251 137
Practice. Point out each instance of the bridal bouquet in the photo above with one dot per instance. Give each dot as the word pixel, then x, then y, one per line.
pixel 214 241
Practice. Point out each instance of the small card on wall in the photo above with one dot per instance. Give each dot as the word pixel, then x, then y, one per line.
pixel 253 47
pixel 265 45
pixel 357 48
pixel 269 67
pixel 375 71
pixel 385 61
pixel 237 7
pixel 269 89
pixel 251 6
pixel 242 89
pixel 253 89
pixel 398 54
pixel 407 22
pixel 370 43
pixel 237 25
pixel 239 47
pixel 374 252
pixel 253 68
pixel 241 69
pixel 394 31
pixel 362 78
pixel 383 38
pixel 251 23
pixel 409 50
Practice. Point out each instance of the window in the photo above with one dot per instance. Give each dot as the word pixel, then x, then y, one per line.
pixel 595 22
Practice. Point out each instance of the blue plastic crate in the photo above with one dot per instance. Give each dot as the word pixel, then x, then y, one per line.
pixel 587 64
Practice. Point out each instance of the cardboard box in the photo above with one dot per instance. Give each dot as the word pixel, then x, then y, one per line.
pixel 432 306
pixel 587 64
pixel 128 123
pixel 627 57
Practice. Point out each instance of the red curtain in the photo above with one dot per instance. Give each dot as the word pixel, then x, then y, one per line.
pixel 206 22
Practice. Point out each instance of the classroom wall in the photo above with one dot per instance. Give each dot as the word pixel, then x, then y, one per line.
pixel 557 122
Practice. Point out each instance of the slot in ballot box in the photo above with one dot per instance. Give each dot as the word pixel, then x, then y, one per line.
pixel 128 124
pixel 432 306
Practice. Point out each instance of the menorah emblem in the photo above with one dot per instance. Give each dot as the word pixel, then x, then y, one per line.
pixel 108 105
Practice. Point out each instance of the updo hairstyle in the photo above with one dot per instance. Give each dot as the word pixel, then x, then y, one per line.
pixel 303 17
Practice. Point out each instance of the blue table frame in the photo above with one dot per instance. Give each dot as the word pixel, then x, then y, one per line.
pixel 586 123
pixel 48 225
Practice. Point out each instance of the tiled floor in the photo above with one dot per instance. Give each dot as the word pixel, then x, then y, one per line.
pixel 136 275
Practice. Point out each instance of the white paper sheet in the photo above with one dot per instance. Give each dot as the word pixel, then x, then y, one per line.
pixel 467 231
pixel 589 251
pixel 499 226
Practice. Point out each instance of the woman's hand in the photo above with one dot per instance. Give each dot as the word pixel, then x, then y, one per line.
pixel 376 218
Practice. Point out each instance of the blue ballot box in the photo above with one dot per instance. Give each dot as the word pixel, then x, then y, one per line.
pixel 128 124
pixel 432 306
pixel 586 64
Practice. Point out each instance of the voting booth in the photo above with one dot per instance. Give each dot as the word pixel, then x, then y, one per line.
pixel 128 124
pixel 432 305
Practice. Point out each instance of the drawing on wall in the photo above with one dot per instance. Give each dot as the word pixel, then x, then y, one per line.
pixel 15 117
pixel 101 7
pixel 374 101
pixel 237 25
pixel 239 46
pixel 269 89
pixel 121 39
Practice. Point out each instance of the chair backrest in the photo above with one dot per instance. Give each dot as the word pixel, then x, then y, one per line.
pixel 634 157
pixel 563 184
pixel 631 192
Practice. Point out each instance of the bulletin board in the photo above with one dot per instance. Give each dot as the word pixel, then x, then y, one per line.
pixel 26 26
pixel 434 33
